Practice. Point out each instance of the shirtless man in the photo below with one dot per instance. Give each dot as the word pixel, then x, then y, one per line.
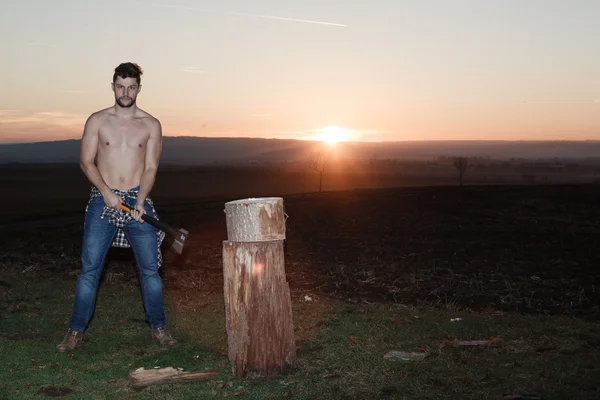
pixel 126 144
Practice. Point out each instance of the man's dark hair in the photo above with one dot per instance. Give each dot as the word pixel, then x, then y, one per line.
pixel 128 70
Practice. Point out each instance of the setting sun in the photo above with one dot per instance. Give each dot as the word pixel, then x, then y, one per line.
pixel 332 134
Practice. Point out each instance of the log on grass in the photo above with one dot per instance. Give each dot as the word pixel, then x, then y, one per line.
pixel 260 329
pixel 141 377
pixel 255 219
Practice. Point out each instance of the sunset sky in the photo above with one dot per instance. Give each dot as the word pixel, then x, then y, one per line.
pixel 380 70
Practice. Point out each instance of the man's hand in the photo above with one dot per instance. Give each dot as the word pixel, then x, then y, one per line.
pixel 112 200
pixel 138 211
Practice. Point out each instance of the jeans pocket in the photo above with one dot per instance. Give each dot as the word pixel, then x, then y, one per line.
pixel 94 207
pixel 96 199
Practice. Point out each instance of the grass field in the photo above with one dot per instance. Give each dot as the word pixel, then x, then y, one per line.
pixel 386 269
pixel 340 349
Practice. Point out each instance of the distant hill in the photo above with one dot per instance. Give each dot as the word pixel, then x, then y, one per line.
pixel 204 151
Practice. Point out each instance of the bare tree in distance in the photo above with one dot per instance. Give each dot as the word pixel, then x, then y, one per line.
pixel 318 162
pixel 461 164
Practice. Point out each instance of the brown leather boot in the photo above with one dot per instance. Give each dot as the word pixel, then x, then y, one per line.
pixel 162 336
pixel 72 339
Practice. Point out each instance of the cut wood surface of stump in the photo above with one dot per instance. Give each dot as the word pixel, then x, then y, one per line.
pixel 255 219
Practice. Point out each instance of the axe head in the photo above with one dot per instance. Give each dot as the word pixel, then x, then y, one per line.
pixel 179 238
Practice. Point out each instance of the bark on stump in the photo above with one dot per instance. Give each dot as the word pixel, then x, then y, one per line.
pixel 260 329
pixel 255 220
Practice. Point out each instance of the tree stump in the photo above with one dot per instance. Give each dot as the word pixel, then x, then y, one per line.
pixel 260 329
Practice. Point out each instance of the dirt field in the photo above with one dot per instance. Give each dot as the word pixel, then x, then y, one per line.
pixel 524 248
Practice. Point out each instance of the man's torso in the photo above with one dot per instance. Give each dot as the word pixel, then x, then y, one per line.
pixel 122 146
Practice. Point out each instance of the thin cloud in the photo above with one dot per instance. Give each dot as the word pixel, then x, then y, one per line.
pixel 182 7
pixel 42 125
pixel 40 44
pixel 307 21
pixel 562 102
pixel 193 70
pixel 365 135
pixel 52 117
pixel 372 135
pixel 58 115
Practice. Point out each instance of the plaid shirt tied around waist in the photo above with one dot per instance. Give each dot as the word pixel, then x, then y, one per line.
pixel 120 218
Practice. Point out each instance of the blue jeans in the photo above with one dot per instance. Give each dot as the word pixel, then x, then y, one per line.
pixel 98 235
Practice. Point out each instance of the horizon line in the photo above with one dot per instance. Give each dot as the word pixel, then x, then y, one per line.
pixel 339 143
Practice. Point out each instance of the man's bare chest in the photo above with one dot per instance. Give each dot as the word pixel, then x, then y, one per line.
pixel 128 135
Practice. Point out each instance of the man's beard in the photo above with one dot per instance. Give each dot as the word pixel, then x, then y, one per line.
pixel 119 102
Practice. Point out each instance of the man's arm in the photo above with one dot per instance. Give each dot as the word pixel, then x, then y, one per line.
pixel 153 152
pixel 89 148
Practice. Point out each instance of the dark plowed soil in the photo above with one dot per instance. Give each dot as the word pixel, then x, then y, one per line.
pixel 527 249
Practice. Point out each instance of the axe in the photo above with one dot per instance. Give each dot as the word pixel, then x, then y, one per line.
pixel 180 235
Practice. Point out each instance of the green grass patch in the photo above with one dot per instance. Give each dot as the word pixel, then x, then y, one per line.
pixel 340 351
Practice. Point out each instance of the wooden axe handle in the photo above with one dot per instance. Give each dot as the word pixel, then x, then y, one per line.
pixel 152 221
